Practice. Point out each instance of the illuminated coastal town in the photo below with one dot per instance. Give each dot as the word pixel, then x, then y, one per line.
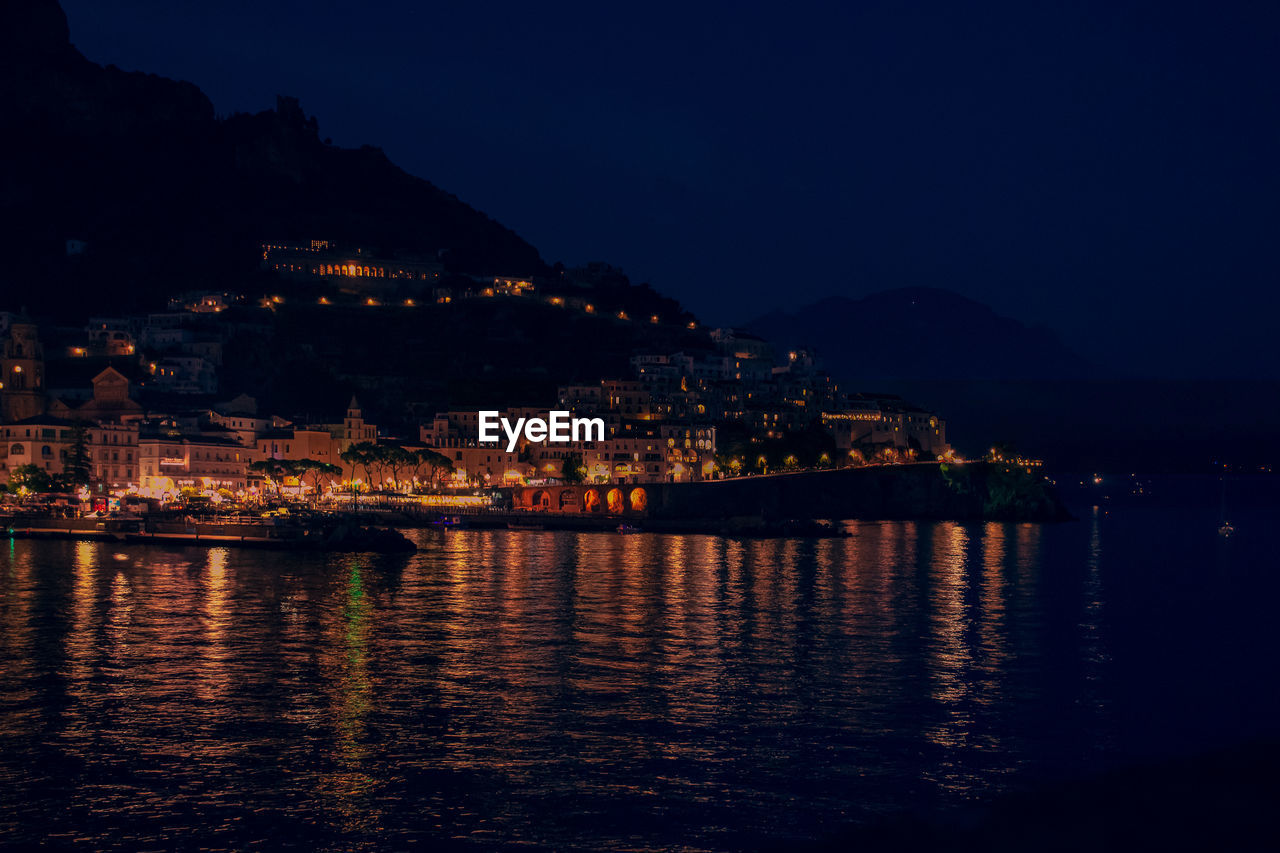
pixel 585 427
pixel 135 407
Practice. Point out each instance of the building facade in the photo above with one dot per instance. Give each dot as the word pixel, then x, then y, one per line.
pixel 22 392
pixel 170 460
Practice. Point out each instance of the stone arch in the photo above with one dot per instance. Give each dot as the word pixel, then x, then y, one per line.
pixel 614 500
pixel 591 500
pixel 639 500
pixel 568 500
pixel 541 499
pixel 18 450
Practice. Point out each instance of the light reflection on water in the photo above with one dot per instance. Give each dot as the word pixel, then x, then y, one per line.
pixel 552 688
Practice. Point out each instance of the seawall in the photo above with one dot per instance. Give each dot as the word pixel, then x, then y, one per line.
pixel 975 490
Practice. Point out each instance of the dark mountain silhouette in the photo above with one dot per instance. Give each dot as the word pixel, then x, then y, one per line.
pixel 162 191
pixel 917 333
pixel 167 196
pixel 997 380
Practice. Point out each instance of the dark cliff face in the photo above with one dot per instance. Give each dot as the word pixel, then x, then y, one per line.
pixel 56 96
pixel 34 28
pixel 165 193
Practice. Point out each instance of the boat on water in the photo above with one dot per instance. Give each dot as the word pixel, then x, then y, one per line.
pixel 628 528
pixel 1226 529
pixel 759 528
pixel 525 525
pixel 27 526
pixel 449 522
pixel 315 534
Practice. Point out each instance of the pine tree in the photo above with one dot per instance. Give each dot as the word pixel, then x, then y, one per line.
pixel 79 469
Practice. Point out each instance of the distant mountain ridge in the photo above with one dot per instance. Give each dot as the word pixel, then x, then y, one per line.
pixel 920 332
pixel 160 190
pixel 162 195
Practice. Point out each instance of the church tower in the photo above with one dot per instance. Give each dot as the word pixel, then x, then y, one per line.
pixel 22 372
pixel 354 428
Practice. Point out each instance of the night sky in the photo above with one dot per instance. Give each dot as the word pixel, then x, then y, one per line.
pixel 1103 168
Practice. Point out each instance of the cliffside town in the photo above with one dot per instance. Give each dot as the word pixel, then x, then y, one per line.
pixel 141 404
pixel 205 293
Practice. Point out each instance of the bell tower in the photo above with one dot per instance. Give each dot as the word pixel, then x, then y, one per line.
pixel 22 373
pixel 354 428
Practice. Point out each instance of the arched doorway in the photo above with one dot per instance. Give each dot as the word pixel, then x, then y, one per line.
pixel 614 499
pixel 541 500
pixel 639 500
pixel 591 501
